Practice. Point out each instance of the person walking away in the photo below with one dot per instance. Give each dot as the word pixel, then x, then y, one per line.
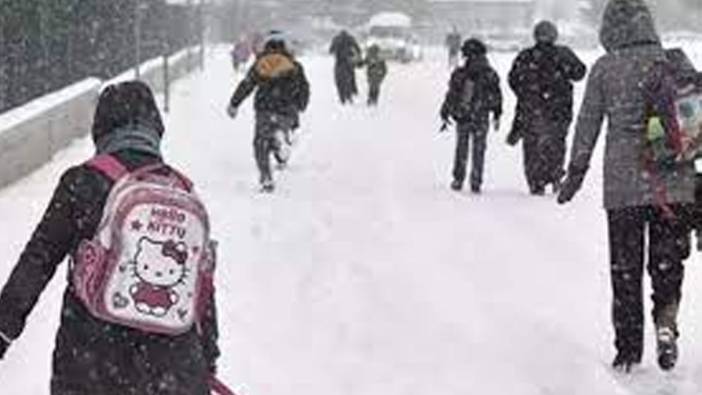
pixel 282 93
pixel 474 93
pixel 132 330
pixel 542 78
pixel 376 70
pixel 347 54
pixel 453 45
pixel 641 226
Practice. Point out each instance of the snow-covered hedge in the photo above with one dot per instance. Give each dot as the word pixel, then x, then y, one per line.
pixel 31 134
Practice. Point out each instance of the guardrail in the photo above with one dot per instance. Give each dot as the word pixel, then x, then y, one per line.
pixel 30 135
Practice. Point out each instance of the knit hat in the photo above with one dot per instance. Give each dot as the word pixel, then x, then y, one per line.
pixel 473 47
pixel 545 32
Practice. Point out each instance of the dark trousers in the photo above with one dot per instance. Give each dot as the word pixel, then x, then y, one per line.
pixel 345 78
pixel 668 246
pixel 478 134
pixel 269 139
pixel 544 153
pixel 373 93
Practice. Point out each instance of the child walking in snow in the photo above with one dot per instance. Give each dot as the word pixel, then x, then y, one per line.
pixel 474 94
pixel 114 340
pixel 282 93
pixel 376 70
pixel 643 233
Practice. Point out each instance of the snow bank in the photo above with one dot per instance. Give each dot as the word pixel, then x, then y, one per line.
pixel 30 135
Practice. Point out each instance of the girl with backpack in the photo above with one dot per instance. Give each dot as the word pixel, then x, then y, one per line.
pixel 138 314
pixel 640 227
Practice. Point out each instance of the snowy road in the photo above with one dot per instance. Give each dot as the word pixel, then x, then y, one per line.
pixel 364 275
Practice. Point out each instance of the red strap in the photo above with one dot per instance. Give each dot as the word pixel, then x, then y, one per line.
pixel 184 181
pixel 219 387
pixel 659 190
pixel 115 170
pixel 109 166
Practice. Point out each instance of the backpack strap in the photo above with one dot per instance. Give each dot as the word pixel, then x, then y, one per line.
pixel 109 166
pixel 113 169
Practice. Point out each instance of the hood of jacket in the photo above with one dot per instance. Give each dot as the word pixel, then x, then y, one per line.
pixel 275 64
pixel 627 23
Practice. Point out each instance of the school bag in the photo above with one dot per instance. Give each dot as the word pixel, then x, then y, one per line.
pixel 465 105
pixel 674 112
pixel 150 265
pixel 673 125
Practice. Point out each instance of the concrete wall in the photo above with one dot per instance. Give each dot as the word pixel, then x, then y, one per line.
pixel 30 135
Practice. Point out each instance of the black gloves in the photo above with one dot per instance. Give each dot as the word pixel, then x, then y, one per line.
pixel 513 138
pixel 571 185
pixel 445 125
pixel 3 347
pixel 445 116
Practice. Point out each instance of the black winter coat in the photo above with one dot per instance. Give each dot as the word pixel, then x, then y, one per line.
pixel 92 356
pixel 474 93
pixel 542 78
pixel 345 48
pixel 376 70
pixel 282 85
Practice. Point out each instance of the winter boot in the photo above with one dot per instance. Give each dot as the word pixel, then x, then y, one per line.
pixel 456 185
pixel 267 185
pixel 666 336
pixel 475 189
pixel 538 191
pixel 625 361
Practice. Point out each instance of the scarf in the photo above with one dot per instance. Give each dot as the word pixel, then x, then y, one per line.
pixel 132 137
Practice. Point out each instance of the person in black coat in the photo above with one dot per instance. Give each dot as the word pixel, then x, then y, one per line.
pixel 92 356
pixel 282 93
pixel 474 93
pixel 542 78
pixel 347 53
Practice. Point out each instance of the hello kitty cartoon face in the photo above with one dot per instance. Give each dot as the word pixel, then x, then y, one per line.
pixel 161 264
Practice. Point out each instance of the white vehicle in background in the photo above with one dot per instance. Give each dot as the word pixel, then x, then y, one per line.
pixel 392 32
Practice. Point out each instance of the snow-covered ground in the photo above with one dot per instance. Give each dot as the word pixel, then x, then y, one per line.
pixel 364 274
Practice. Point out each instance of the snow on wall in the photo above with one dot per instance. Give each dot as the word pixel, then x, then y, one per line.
pixel 30 135
pixel 152 71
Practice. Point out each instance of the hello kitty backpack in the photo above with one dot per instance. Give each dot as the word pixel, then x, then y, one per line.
pixel 150 264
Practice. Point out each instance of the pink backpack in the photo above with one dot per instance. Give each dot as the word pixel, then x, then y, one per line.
pixel 150 265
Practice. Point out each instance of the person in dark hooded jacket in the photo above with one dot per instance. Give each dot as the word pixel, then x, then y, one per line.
pixel 542 78
pixel 376 70
pixel 92 356
pixel 347 53
pixel 282 93
pixel 641 229
pixel 474 93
